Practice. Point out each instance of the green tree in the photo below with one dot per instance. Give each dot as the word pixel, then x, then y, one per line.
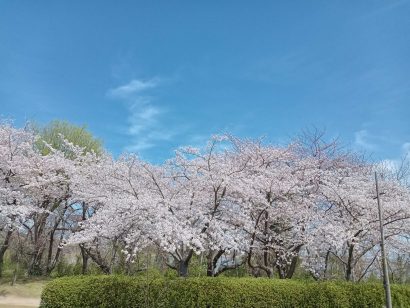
pixel 53 132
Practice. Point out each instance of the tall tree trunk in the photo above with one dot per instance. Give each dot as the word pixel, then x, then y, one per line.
pixel 349 264
pixel 3 250
pixel 51 263
pixel 114 253
pixel 326 264
pixel 292 267
pixel 35 266
pixel 50 250
pixel 84 257
pixel 261 266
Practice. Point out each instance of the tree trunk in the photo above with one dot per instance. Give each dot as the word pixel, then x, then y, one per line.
pixel 292 267
pixel 182 265
pixel 281 272
pixel 50 250
pixel 326 264
pixel 183 269
pixel 349 264
pixel 84 258
pixel 35 267
pixel 3 250
pixel 96 257
pixel 286 271
pixel 84 255
pixel 212 261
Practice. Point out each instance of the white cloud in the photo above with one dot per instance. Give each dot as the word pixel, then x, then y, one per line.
pixel 135 86
pixel 142 118
pixel 145 120
pixel 406 148
pixel 141 142
pixel 398 165
pixel 362 140
pixel 139 145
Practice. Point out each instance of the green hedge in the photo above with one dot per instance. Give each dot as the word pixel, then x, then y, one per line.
pixel 123 291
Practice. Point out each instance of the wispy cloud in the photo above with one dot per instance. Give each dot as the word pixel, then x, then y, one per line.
pixel 385 7
pixel 142 117
pixel 406 148
pixel 149 140
pixel 399 165
pixel 140 145
pixel 362 139
pixel 134 87
pixel 144 123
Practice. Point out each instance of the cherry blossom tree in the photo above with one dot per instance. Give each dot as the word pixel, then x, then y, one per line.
pixel 278 202
pixel 349 213
pixel 212 182
pixel 36 198
pixel 31 185
pixel 16 152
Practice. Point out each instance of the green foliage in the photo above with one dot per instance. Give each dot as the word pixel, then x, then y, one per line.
pixel 125 291
pixel 64 268
pixel 12 267
pixel 80 136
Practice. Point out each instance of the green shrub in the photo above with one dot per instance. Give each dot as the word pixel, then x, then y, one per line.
pixel 125 291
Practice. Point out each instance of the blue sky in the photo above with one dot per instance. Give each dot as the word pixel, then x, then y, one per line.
pixel 150 76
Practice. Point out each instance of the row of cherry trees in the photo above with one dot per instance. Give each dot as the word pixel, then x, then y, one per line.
pixel 235 202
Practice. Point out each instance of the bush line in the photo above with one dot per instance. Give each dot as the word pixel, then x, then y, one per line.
pixel 124 291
